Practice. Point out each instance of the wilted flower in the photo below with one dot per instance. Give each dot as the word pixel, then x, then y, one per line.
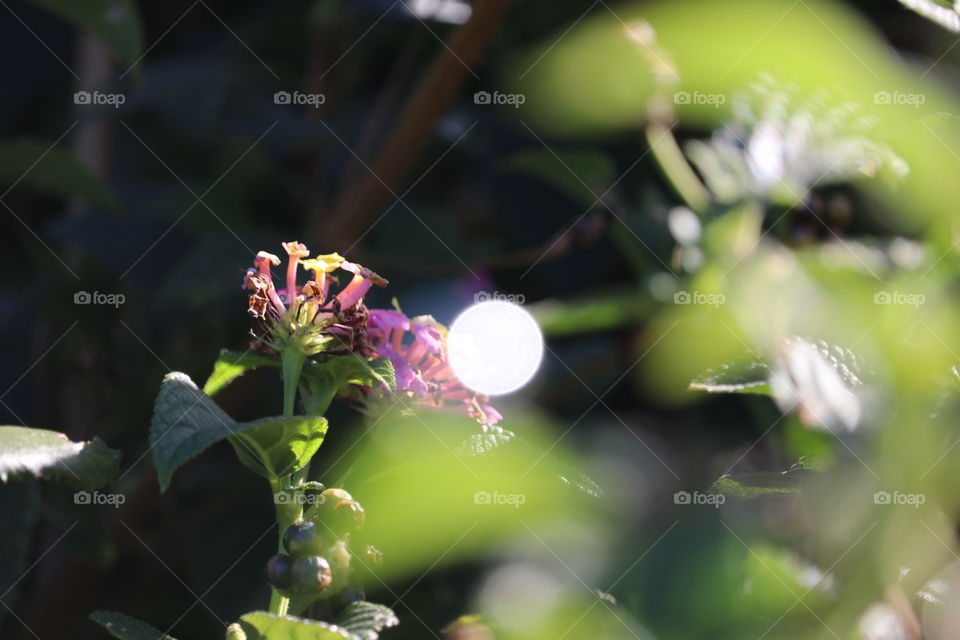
pixel 416 348
pixel 308 315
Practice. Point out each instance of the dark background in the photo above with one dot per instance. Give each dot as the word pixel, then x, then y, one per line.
pixel 199 119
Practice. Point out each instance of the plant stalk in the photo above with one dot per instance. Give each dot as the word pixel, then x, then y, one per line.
pixel 288 511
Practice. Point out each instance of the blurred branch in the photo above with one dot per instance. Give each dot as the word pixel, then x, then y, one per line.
pixel 93 142
pixel 403 68
pixel 357 206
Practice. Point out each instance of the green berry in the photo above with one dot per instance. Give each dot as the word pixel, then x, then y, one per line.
pixel 348 516
pixel 302 538
pixel 334 495
pixel 311 574
pixel 277 572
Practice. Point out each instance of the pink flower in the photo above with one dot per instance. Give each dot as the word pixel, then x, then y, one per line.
pixel 316 321
pixel 416 348
pixel 308 314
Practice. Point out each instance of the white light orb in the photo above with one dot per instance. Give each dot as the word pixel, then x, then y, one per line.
pixel 495 347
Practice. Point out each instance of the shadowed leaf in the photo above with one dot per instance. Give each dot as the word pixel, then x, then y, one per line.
pixel 51 170
pixel 116 22
pixel 126 628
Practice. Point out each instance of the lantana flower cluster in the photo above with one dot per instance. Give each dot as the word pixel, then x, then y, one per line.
pixel 312 318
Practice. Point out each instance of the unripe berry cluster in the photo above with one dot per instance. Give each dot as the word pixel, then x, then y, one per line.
pixel 318 554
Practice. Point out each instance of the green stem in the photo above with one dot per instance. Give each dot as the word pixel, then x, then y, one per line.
pixel 288 512
pixel 676 168
pixel 291 360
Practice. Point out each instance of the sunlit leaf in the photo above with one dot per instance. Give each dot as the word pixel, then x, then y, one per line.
pixel 186 421
pixel 276 447
pixel 493 440
pixel 261 625
pixel 230 365
pixel 324 380
pixel 755 485
pixel 365 620
pixel 820 382
pixel 745 375
pixel 52 456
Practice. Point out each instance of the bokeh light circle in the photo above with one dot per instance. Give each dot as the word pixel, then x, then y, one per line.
pixel 495 347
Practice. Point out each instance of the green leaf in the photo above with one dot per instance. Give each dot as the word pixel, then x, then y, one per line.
pixel 495 440
pixel 52 456
pixel 775 576
pixel 276 447
pixel 126 628
pixel 116 22
pixel 20 506
pixel 599 312
pixel 324 380
pixel 185 422
pixel 821 382
pixel 365 620
pixel 230 365
pixel 743 375
pixel 755 485
pixel 260 625
pixel 54 171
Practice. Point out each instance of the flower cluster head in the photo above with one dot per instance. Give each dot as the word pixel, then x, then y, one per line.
pixel 416 348
pixel 308 315
pixel 311 318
